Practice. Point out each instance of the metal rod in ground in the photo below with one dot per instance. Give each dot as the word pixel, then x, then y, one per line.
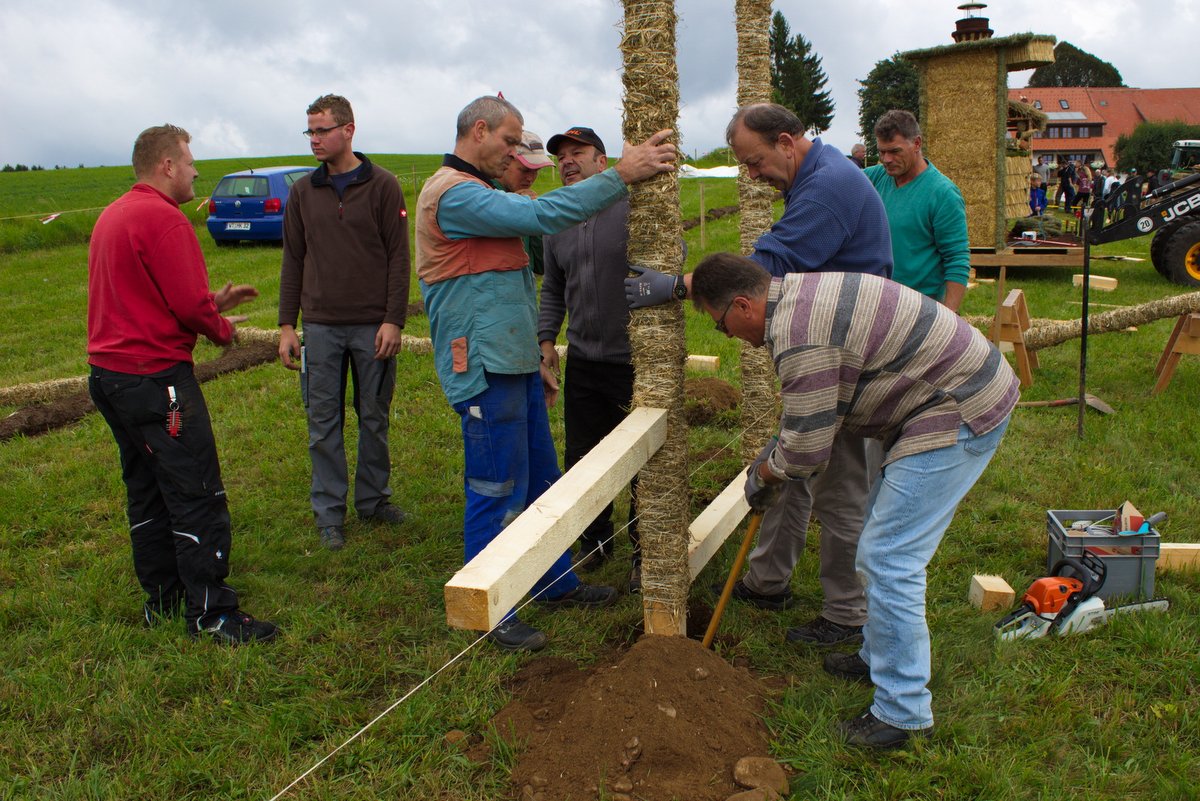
pixel 738 561
pixel 1083 319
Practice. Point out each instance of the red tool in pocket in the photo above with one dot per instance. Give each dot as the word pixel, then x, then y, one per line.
pixel 174 416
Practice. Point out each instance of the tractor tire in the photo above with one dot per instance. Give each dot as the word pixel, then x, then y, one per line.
pixel 1159 244
pixel 1182 255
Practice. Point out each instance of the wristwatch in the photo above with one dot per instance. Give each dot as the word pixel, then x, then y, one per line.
pixel 680 290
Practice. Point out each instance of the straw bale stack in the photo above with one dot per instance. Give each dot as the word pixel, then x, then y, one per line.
pixel 760 393
pixel 651 84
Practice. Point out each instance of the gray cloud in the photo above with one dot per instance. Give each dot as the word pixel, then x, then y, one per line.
pixel 83 77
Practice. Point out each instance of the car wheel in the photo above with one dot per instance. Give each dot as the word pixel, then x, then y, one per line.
pixel 1182 255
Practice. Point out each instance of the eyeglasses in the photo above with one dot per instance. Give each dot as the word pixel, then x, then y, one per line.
pixel 721 322
pixel 321 133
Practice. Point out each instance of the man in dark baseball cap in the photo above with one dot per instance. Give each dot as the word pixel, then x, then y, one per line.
pixel 584 136
pixel 584 283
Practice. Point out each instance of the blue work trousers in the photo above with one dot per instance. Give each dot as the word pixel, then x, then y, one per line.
pixel 909 509
pixel 509 460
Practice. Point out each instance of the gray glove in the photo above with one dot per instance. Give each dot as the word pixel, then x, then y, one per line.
pixel 651 288
pixel 761 496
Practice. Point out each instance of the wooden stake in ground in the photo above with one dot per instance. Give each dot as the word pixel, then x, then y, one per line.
pixel 760 398
pixel 656 333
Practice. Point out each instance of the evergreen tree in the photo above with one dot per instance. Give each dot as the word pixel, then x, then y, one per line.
pixel 797 80
pixel 1075 67
pixel 891 84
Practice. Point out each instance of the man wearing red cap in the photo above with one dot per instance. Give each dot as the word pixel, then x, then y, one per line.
pixel 519 177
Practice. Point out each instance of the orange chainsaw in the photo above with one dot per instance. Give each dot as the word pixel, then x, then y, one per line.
pixel 1066 602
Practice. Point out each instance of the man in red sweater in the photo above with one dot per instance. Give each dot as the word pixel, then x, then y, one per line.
pixel 148 299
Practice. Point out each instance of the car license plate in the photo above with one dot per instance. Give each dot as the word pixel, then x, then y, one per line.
pixel 237 226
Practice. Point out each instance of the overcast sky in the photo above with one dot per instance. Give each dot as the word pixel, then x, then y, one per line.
pixel 81 78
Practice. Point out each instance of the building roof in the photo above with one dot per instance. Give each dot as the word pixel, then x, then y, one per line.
pixel 1022 51
pixel 1120 109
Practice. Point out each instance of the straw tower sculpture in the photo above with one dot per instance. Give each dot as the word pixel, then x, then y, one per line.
pixel 651 82
pixel 759 395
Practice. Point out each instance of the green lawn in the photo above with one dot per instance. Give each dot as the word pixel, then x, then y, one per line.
pixel 94 706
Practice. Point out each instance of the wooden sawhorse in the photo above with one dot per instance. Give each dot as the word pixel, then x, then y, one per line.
pixel 1011 323
pixel 1185 338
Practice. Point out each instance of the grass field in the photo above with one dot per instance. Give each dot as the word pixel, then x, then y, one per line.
pixel 94 706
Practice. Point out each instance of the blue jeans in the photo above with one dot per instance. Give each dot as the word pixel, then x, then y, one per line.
pixel 509 460
pixel 910 508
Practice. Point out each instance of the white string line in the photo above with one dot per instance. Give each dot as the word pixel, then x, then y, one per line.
pixel 481 638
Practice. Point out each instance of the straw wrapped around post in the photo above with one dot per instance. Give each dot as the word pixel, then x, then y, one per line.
pixel 1055 333
pixel 656 333
pixel 760 397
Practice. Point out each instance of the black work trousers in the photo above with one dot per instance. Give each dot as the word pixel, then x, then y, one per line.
pixel 596 398
pixel 178 515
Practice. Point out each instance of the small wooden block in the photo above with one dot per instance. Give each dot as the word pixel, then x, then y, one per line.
pixel 1101 282
pixel 1178 556
pixel 989 593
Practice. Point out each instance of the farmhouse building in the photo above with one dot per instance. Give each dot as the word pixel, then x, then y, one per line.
pixel 1083 123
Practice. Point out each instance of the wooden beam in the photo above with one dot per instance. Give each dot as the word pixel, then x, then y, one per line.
pixel 1101 282
pixel 483 591
pixel 712 527
pixel 701 364
pixel 1178 556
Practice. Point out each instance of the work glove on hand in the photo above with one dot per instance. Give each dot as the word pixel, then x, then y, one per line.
pixel 760 495
pixel 648 287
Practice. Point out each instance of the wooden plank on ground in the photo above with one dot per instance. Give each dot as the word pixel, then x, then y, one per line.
pixel 1178 556
pixel 713 526
pixel 701 364
pixel 490 584
pixel 1100 282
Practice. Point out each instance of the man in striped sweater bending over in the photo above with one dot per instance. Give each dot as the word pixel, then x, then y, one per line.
pixel 871 356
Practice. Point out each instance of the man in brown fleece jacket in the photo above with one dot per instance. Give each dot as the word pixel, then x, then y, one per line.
pixel 346 271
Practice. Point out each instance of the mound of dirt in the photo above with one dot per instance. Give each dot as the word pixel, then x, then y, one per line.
pixel 705 398
pixel 667 719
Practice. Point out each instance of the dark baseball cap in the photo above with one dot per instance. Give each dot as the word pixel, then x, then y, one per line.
pixel 585 136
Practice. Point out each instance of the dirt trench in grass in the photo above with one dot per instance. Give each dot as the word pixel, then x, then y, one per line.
pixel 39 418
pixel 663 719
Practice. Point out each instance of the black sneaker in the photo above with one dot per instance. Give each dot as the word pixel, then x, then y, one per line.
pixel 868 731
pixel 237 628
pixel 386 513
pixel 824 632
pixel 774 603
pixel 513 635
pixel 592 556
pixel 850 667
pixel 333 538
pixel 635 578
pixel 583 595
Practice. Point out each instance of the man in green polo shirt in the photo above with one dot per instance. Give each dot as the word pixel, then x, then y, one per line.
pixel 926 213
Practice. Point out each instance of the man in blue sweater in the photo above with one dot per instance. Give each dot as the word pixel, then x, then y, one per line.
pixel 833 221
